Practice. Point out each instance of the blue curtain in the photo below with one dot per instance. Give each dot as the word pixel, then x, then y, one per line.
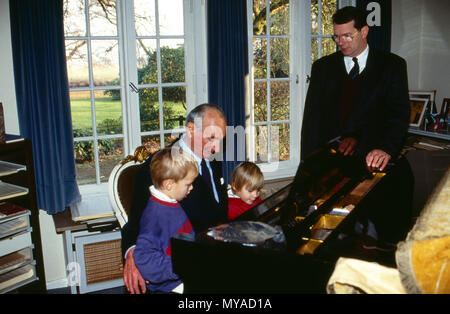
pixel 227 68
pixel 43 102
pixel 380 35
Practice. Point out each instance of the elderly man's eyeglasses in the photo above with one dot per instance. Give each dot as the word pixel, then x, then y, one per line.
pixel 345 37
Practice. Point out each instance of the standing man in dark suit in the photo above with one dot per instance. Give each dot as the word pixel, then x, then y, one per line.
pixel 361 94
pixel 207 203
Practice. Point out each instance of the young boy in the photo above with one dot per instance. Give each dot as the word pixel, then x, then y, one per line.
pixel 247 181
pixel 172 172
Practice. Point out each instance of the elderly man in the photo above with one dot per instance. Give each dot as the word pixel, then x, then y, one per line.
pixel 205 206
pixel 361 94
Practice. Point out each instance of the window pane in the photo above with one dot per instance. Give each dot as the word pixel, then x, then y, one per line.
pixel 314 17
pixel 171 17
pixel 329 7
pixel 314 49
pixel 84 161
pixel 328 46
pixel 259 58
pixel 111 153
pixel 279 100
pixel 103 18
pixel 280 142
pixel 149 109
pixel 74 18
pixel 174 107
pixel 261 143
pixel 152 142
pixel 172 61
pixel 105 62
pixel 108 110
pixel 146 61
pixel 279 57
pixel 144 17
pixel 260 101
pixel 77 63
pixel 259 17
pixel 279 19
pixel 80 105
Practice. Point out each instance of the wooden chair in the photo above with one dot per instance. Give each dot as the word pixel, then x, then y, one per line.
pixel 121 183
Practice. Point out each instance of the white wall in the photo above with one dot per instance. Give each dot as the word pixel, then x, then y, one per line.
pixel 421 35
pixel 7 92
pixel 52 244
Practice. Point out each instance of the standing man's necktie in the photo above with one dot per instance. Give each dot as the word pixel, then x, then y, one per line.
pixel 355 70
pixel 206 175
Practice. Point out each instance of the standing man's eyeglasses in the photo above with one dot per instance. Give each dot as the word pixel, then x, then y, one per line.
pixel 345 37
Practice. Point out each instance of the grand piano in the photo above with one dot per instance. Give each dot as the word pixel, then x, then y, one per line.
pixel 290 242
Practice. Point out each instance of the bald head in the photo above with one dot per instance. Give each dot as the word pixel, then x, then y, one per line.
pixel 205 130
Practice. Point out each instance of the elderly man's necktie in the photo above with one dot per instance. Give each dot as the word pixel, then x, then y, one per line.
pixel 205 174
pixel 355 70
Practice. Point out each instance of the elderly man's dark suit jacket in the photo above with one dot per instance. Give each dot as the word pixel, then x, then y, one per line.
pixel 200 205
pixel 380 116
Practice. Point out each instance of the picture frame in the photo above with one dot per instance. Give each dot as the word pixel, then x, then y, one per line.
pixel 418 108
pixel 445 108
pixel 426 94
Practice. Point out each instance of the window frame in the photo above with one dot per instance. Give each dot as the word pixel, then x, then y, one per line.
pixel 194 15
pixel 299 30
pixel 300 69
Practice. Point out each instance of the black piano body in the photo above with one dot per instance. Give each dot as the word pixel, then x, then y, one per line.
pixel 312 221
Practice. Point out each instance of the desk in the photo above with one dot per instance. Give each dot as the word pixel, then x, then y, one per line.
pixel 92 252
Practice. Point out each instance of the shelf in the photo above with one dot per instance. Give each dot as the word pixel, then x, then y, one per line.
pixel 21 259
pixel 12 225
pixel 7 168
pixel 8 190
pixel 15 243
pixel 15 260
pixel 17 278
pixel 443 136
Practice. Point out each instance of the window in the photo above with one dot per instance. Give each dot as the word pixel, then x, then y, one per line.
pixel 284 41
pixel 128 76
pixel 322 28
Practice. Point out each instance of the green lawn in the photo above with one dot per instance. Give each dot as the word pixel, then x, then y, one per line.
pixel 106 108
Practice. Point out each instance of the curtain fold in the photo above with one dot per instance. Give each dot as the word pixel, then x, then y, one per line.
pixel 380 35
pixel 43 102
pixel 227 71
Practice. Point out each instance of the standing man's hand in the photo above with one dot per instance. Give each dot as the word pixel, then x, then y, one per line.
pixel 377 160
pixel 347 146
pixel 132 277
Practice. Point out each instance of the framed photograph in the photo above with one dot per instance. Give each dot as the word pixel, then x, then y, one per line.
pixel 445 109
pixel 418 107
pixel 425 94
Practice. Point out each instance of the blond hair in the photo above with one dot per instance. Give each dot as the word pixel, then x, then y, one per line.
pixel 171 163
pixel 247 174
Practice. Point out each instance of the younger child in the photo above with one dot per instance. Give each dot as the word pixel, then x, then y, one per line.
pixel 172 172
pixel 247 181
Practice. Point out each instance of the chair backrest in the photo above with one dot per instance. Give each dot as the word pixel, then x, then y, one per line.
pixel 121 184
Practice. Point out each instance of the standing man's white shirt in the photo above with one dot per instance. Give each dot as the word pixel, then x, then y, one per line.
pixel 362 61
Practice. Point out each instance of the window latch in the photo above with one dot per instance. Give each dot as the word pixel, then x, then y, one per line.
pixel 133 88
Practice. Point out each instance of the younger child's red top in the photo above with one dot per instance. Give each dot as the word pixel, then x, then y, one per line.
pixel 236 206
